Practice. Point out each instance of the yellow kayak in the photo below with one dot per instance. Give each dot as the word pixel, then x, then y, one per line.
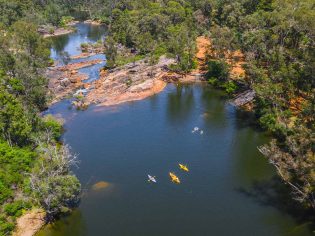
pixel 183 167
pixel 174 178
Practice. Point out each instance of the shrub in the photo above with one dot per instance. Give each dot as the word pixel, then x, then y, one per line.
pixel 5 192
pixel 16 208
pixel 54 126
pixel 5 227
pixel 65 20
pixel 230 87
pixel 84 47
pixel 218 70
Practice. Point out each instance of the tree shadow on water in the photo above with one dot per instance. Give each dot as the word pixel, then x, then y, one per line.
pixel 274 193
pixel 247 119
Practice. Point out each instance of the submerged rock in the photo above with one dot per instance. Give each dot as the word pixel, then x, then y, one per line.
pixel 100 185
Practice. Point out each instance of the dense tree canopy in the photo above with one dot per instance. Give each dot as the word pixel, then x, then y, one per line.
pixel 278 40
pixel 24 57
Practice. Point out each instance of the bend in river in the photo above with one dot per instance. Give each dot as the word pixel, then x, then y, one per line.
pixel 230 189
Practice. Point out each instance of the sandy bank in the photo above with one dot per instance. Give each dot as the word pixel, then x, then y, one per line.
pixel 235 59
pixel 93 22
pixel 30 223
pixel 58 32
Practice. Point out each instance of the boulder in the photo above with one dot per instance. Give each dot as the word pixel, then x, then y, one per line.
pixel 65 82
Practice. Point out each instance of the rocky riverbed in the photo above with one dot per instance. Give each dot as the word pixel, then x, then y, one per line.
pixel 134 81
pixel 65 80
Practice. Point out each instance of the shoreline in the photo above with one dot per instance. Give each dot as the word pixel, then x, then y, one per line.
pixel 68 29
pixel 131 82
pixel 57 31
pixel 30 223
pixel 93 22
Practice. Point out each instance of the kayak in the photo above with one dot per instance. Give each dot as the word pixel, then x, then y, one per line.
pixel 174 178
pixel 183 167
pixel 152 179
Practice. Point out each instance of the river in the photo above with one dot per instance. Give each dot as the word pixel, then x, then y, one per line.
pixel 230 189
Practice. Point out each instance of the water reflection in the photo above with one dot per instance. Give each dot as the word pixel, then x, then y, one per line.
pixel 58 44
pixel 180 103
pixel 214 104
pixel 273 193
pixel 70 43
pixel 248 163
pixel 96 33
pixel 60 227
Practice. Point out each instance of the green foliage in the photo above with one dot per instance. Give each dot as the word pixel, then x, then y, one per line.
pixel 153 28
pixel 217 71
pixel 277 39
pixel 24 57
pixel 15 125
pixel 53 186
pixel 11 11
pixel 84 47
pixel 121 60
pixel 65 20
pixel 6 226
pixel 54 12
pixel 54 126
pixel 230 87
pixel 15 163
pixel 111 52
pixel 16 208
pixel 5 192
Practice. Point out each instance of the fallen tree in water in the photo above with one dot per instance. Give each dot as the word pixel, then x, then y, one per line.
pixel 295 163
pixel 244 98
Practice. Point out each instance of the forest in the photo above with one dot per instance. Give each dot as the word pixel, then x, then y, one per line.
pixel 277 41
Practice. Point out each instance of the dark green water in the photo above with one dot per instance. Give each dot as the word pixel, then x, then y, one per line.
pixel 226 191
pixel 230 189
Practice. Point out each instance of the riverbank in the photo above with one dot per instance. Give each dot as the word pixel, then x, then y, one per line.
pixel 134 81
pixel 52 31
pixel 58 32
pixel 30 223
pixel 131 82
pixel 93 22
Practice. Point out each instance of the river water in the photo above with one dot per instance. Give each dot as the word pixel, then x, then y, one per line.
pixel 230 189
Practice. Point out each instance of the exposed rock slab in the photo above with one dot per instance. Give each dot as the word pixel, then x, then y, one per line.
pixel 83 55
pixel 134 81
pixel 64 83
pixel 58 32
pixel 80 65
